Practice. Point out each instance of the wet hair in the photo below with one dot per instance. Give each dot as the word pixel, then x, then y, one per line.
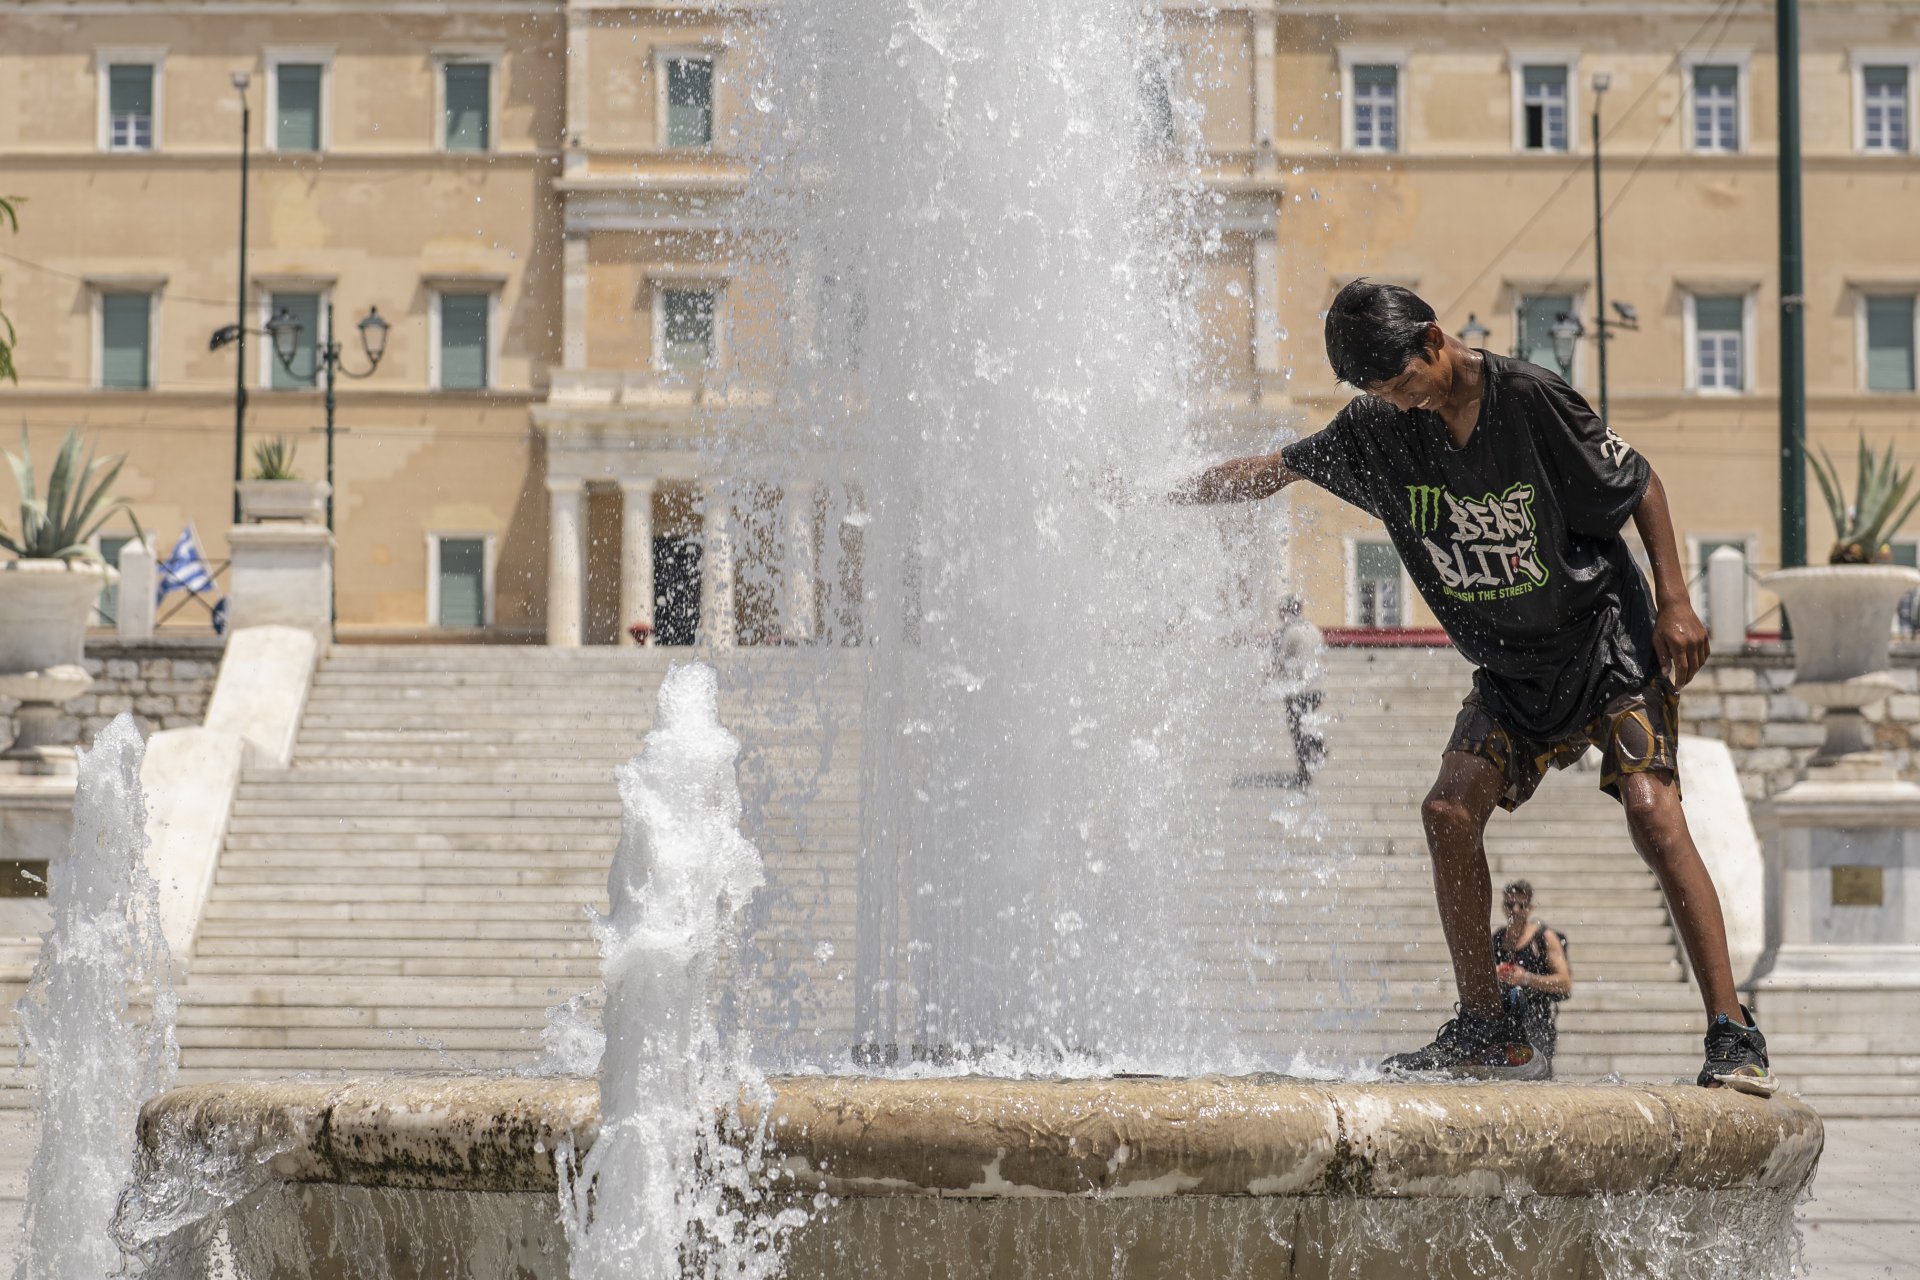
pixel 1518 889
pixel 1374 331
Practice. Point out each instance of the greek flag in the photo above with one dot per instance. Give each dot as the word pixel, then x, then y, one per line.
pixel 186 569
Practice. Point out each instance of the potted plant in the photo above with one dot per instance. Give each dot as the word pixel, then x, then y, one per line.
pixel 1841 613
pixel 276 492
pixel 48 591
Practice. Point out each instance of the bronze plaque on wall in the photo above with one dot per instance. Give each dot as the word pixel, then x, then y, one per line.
pixel 1859 887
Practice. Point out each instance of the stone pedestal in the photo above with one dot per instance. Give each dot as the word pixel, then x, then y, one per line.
pixel 1843 853
pixel 282 576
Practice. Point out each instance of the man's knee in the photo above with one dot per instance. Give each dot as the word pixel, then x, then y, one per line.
pixel 1449 818
pixel 1652 805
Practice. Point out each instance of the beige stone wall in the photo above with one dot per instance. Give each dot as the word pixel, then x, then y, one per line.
pixel 382 215
pixel 578 143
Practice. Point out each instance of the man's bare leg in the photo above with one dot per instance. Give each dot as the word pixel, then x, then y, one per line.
pixel 1455 816
pixel 1659 828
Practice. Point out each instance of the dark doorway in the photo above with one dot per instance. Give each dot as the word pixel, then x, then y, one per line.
pixel 676 590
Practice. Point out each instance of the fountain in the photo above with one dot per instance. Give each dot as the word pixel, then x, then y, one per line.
pixel 971 261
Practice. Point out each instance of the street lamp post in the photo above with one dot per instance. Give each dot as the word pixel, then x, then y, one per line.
pixel 240 81
pixel 1602 81
pixel 284 332
pixel 1793 314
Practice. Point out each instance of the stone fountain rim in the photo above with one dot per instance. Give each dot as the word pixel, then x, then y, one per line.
pixel 975 1136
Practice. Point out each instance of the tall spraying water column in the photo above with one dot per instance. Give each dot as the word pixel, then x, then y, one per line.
pixel 983 226
pixel 99 1015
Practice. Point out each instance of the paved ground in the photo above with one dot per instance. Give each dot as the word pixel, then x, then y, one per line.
pixel 1862 1224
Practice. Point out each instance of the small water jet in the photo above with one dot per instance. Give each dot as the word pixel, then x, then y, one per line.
pixel 98 1015
pixel 666 1189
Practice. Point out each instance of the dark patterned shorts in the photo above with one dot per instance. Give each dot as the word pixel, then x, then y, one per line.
pixel 1637 732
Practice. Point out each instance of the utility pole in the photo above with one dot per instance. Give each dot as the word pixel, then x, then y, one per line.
pixel 240 82
pixel 1601 82
pixel 1793 368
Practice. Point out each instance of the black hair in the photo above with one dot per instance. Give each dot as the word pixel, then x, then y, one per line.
pixel 1374 331
pixel 1518 889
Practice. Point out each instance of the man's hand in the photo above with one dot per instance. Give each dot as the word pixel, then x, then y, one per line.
pixel 1679 641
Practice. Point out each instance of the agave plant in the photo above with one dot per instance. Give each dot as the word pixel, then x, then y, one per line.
pixel 61 525
pixel 273 459
pixel 1864 526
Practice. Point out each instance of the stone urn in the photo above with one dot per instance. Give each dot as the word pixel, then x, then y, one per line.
pixel 299 501
pixel 1842 620
pixel 44 608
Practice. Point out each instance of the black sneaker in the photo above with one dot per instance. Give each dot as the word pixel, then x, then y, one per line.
pixel 1737 1057
pixel 1481 1048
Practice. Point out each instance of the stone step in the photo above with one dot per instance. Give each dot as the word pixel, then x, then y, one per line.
pixel 522 1038
pixel 582 968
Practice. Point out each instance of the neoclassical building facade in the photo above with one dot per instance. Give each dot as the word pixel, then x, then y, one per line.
pixel 537 197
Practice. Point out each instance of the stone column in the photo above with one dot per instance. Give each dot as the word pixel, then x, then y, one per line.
pixel 800 613
pixel 717 623
pixel 1265 88
pixel 636 556
pixel 566 568
pixel 134 616
pixel 1266 301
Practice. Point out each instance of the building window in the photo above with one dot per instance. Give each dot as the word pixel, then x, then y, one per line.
pixel 130 106
pixel 1544 108
pixel 1537 314
pixel 686 328
pixel 460 577
pixel 126 341
pixel 464 325
pixel 297 105
pixel 468 87
pixel 1159 132
pixel 689 102
pixel 1888 321
pixel 1716 108
pixel 1376 107
pixel 305 309
pixel 1719 343
pixel 1886 108
pixel 1906 615
pixel 106 607
pixel 1377 599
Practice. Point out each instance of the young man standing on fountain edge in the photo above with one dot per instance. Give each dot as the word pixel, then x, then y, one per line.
pixel 1505 495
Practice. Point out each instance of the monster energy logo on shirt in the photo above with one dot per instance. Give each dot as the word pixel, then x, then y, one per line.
pixel 1489 551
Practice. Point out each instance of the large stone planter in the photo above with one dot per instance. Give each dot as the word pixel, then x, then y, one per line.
pixel 302 501
pixel 44 607
pixel 1842 620
pixel 1843 844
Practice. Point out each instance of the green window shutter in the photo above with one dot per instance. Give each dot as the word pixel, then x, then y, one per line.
pixel 297 98
pixel 469 127
pixel 689 102
pixel 1890 344
pixel 463 582
pixel 130 106
pixel 305 309
pixel 1718 314
pixel 125 335
pixel 688 321
pixel 1538 314
pixel 463 341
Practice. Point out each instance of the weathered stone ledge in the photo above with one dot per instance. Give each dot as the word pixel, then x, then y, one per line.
pixel 991 1138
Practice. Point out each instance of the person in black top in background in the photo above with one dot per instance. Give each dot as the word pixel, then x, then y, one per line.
pixel 1505 495
pixel 1530 959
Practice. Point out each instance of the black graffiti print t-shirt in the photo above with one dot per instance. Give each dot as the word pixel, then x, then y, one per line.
pixel 1513 540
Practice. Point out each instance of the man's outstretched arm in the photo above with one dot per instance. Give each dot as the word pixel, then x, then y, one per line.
pixel 1241 480
pixel 1679 639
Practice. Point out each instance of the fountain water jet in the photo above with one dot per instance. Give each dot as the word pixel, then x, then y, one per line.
pixel 98 1015
pixel 666 1189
